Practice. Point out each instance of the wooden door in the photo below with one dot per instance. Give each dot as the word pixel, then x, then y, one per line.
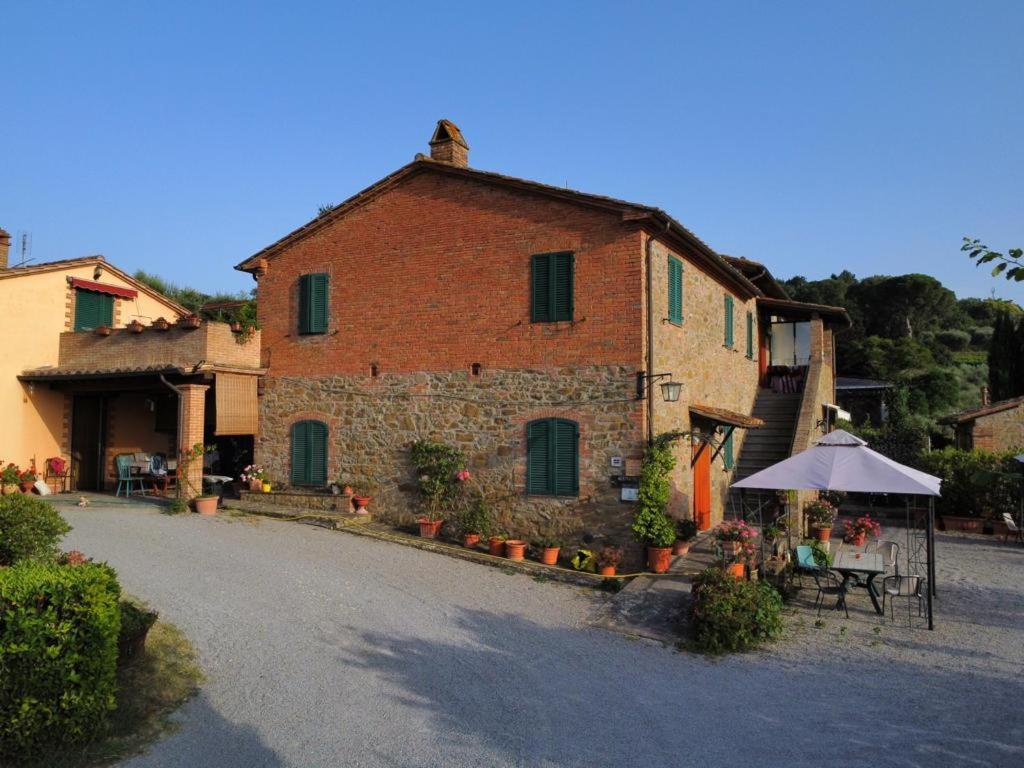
pixel 88 442
pixel 702 484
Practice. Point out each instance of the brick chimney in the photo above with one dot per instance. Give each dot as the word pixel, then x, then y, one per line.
pixel 448 146
pixel 5 247
pixel 985 397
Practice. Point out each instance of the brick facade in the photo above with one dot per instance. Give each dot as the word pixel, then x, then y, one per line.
pixel 1000 431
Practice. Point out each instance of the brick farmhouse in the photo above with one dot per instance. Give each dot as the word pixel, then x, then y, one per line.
pixel 532 327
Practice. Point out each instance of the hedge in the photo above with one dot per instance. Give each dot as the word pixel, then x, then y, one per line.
pixel 975 483
pixel 30 529
pixel 731 614
pixel 59 626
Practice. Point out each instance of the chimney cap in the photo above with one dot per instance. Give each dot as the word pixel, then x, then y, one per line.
pixel 5 233
pixel 447 131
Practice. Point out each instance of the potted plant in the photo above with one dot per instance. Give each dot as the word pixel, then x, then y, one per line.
pixel 102 330
pixel 135 625
pixel 515 549
pixel 734 540
pixel 608 560
pixel 549 548
pixel 473 520
pixel 820 516
pixel 363 494
pixel 441 471
pixel 190 321
pixel 236 327
pixel 161 324
pixel 27 479
pixel 254 475
pixel 496 544
pixel 10 477
pixel 656 531
pixel 686 532
pixel 135 326
pixel 206 504
pixel 861 528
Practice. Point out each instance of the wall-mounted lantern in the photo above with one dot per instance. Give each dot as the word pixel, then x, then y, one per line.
pixel 670 390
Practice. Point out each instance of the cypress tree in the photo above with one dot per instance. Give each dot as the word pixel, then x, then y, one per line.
pixel 1005 371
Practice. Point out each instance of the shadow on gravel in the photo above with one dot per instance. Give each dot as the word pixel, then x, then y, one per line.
pixel 516 692
pixel 207 739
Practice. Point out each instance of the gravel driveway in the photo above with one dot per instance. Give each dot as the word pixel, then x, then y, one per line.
pixel 325 649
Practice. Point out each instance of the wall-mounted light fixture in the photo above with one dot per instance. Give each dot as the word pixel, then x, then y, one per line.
pixel 670 390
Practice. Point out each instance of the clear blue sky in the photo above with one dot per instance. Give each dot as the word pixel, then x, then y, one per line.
pixel 813 136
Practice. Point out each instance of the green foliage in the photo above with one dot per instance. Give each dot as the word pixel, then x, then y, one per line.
pixel 903 440
pixel 954 339
pixel 58 654
pixel 1010 264
pixel 195 300
pixel 584 560
pixel 822 556
pixel 30 529
pixel 732 614
pixel 135 620
pixel 686 529
pixel 474 516
pixel 651 525
pixel 974 483
pixel 437 465
pixel 1005 364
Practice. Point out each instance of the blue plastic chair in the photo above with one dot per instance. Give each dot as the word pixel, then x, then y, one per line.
pixel 805 561
pixel 125 478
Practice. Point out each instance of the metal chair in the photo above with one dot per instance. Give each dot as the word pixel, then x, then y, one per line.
pixel 125 478
pixel 829 584
pixel 1012 529
pixel 805 562
pixel 59 470
pixel 909 587
pixel 890 552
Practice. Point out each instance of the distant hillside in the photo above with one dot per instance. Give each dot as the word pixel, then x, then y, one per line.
pixel 913 331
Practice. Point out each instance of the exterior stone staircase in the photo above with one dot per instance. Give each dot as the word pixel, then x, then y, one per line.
pixel 771 443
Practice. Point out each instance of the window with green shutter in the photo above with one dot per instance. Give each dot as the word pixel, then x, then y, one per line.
pixel 309 453
pixel 553 457
pixel 727 457
pixel 93 309
pixel 750 335
pixel 551 287
pixel 728 322
pixel 313 303
pixel 675 290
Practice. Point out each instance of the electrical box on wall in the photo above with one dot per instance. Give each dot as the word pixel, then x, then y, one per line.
pixel 629 493
pixel 616 461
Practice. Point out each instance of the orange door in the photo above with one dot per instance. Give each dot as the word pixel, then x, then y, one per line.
pixel 702 485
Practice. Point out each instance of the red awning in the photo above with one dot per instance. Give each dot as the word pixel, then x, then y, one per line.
pixel 114 290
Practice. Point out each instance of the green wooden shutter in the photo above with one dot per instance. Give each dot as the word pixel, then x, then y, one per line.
pixel 300 452
pixel 93 309
pixel 313 303
pixel 309 453
pixel 562 278
pixel 728 322
pixel 675 290
pixel 750 335
pixel 565 462
pixel 727 457
pixel 551 291
pixel 538 454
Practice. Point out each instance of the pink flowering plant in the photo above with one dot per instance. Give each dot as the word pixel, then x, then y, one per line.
pixel 736 537
pixel 862 527
pixel 820 513
pixel 254 472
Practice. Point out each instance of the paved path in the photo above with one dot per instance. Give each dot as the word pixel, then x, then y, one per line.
pixel 324 649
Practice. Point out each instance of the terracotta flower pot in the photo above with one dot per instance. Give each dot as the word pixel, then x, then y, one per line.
pixel 680 548
pixel 236 327
pixel 737 570
pixel 206 505
pixel 515 549
pixel 607 570
pixel 256 486
pixel 549 555
pixel 470 540
pixel 26 487
pixel 102 330
pixel 362 501
pixel 190 321
pixel 823 534
pixel 161 324
pixel 659 558
pixel 496 546
pixel 135 326
pixel 428 528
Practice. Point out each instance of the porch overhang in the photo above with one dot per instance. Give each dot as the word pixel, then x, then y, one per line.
pixel 57 374
pixel 725 417
pixel 799 310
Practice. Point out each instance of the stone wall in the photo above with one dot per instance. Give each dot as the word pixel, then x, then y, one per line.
pixel 372 421
pixel 694 353
pixel 1001 431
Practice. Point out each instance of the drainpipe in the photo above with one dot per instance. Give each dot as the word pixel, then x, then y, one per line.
pixel 177 438
pixel 649 254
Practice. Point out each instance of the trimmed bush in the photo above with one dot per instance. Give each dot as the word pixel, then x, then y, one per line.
pixel 974 483
pixel 58 655
pixel 731 614
pixel 30 529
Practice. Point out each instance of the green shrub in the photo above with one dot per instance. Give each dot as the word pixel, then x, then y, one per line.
pixel 474 515
pixel 731 614
pixel 437 465
pixel 651 525
pixel 30 529
pixel 974 483
pixel 135 620
pixel 58 654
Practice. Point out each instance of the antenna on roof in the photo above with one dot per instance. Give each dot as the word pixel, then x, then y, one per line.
pixel 26 248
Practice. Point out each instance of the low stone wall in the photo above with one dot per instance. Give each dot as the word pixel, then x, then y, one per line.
pixel 373 421
pixel 297 499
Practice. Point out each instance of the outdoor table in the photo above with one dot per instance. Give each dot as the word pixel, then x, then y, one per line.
pixel 851 564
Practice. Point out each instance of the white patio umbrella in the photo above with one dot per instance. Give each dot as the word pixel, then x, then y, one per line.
pixel 840 461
